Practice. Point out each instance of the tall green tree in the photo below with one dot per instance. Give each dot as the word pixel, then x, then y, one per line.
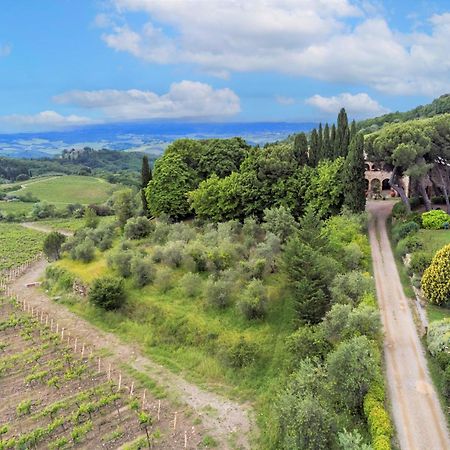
pixel 314 150
pixel 353 130
pixel 52 245
pixel 327 152
pixel 333 139
pixel 146 176
pixel 354 176
pixel 320 139
pixel 301 149
pixel 342 135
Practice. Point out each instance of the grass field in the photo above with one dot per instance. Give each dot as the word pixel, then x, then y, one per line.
pixel 68 189
pixel 55 397
pixel 15 207
pixel 18 245
pixel 72 224
pixel 433 240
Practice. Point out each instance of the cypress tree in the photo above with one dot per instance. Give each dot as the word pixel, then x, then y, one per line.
pixel 146 176
pixel 314 148
pixel 320 133
pixel 352 130
pixel 301 149
pixel 342 135
pixel 355 185
pixel 333 140
pixel 326 144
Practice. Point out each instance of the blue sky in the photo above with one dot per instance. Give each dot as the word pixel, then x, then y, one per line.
pixel 66 63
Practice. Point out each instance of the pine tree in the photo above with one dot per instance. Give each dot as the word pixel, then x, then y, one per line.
pixel 146 176
pixel 301 149
pixel 326 144
pixel 314 149
pixel 355 184
pixel 333 140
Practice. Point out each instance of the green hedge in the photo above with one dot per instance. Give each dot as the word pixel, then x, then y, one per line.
pixel 380 425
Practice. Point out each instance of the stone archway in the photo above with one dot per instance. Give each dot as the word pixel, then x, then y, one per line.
pixel 375 186
pixel 385 185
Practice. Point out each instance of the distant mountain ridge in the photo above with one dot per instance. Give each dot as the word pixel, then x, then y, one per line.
pixel 148 137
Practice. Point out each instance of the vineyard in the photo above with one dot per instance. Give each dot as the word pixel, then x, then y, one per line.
pixel 18 245
pixel 56 393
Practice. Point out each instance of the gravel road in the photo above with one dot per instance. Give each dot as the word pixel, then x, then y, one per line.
pixel 417 413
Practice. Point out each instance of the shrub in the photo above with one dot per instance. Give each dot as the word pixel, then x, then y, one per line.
pixel 143 271
pixel 241 353
pixel 52 245
pixel 436 279
pixel 84 251
pixel 409 244
pixel 435 220
pixel 181 232
pixel 438 336
pixel 121 262
pixel 198 252
pixel 218 293
pixel 173 254
pixel 399 210
pixel 308 341
pixel 405 229
pixel 419 263
pixel 163 280
pixel 253 301
pixel 352 256
pixel 107 293
pixel 254 268
pixel 138 228
pixel 91 219
pixel 380 426
pixel 352 441
pixel 190 283
pixel 280 222
pixel 350 287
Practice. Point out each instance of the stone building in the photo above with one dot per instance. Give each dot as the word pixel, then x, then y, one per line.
pixel 377 177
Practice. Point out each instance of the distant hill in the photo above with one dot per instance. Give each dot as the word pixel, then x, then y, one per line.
pixel 440 105
pixel 84 161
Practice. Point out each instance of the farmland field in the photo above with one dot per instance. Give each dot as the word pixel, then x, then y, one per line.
pixel 68 189
pixel 15 207
pixel 55 397
pixel 18 245
pixel 72 224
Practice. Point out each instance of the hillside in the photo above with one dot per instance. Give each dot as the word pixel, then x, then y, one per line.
pixel 72 162
pixel 438 106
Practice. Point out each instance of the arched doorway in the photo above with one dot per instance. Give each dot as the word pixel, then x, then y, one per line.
pixel 385 186
pixel 375 186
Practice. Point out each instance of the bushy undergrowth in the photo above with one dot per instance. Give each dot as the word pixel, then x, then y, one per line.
pixel 252 304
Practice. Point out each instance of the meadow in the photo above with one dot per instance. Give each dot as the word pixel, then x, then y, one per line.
pixel 18 245
pixel 68 189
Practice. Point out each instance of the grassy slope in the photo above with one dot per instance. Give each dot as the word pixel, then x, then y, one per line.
pixel 16 207
pixel 171 329
pixel 72 224
pixel 68 189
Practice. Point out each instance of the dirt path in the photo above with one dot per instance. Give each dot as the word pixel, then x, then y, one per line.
pixel 226 420
pixel 44 228
pixel 417 413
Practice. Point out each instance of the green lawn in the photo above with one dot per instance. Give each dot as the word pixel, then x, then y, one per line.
pixel 68 189
pixel 433 240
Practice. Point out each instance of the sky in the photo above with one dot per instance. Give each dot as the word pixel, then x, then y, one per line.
pixel 69 63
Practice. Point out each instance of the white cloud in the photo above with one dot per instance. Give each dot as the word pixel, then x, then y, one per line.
pixel 285 101
pixel 43 121
pixel 357 105
pixel 313 38
pixel 5 49
pixel 186 99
